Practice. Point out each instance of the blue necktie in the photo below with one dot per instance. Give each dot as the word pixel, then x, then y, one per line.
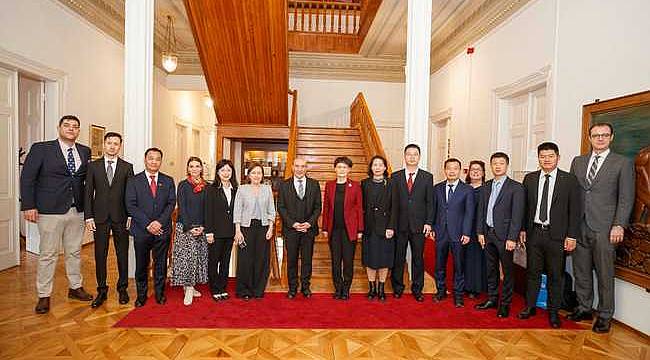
pixel 493 198
pixel 450 192
pixel 71 165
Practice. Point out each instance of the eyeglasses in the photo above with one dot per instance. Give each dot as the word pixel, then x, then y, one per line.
pixel 603 136
pixel 68 126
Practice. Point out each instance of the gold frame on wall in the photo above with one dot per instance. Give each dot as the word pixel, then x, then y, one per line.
pixel 96 141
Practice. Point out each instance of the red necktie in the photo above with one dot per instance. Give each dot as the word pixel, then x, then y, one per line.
pixel 152 185
pixel 409 183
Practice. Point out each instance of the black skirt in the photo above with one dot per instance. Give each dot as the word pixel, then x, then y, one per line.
pixel 377 251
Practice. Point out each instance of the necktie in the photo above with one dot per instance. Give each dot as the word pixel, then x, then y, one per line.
pixel 152 185
pixel 409 183
pixel 109 172
pixel 543 207
pixel 450 192
pixel 71 165
pixel 592 170
pixel 493 198
pixel 301 189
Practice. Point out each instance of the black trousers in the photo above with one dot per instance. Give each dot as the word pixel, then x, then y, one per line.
pixel 342 252
pixel 544 253
pixel 299 245
pixel 253 261
pixel 219 264
pixel 495 253
pixel 144 247
pixel 443 245
pixel 121 244
pixel 416 240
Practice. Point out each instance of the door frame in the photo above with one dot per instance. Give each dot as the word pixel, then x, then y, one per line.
pixel 445 115
pixel 55 84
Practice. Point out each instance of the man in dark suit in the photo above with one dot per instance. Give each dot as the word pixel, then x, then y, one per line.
pixel 150 201
pixel 552 225
pixel 52 195
pixel 498 222
pixel 105 213
pixel 453 221
pixel 606 182
pixel 414 196
pixel 299 205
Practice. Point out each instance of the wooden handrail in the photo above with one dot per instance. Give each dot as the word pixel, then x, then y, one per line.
pixel 292 148
pixel 361 119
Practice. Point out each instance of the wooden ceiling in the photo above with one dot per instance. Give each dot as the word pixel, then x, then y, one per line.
pixel 243 50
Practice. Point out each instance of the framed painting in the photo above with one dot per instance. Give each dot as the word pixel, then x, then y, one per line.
pixel 96 141
pixel 630 117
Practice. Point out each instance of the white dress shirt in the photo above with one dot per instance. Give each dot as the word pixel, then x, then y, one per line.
pixel 296 184
pixel 113 165
pixel 155 175
pixel 75 154
pixel 228 192
pixel 601 160
pixel 453 188
pixel 415 174
pixel 540 190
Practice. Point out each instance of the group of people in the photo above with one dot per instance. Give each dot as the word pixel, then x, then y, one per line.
pixel 553 212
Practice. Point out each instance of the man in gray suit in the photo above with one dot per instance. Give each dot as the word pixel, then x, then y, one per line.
pixel 606 184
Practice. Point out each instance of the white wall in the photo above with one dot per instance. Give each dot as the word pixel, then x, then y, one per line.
pixel 327 103
pixel 601 52
pixel 46 32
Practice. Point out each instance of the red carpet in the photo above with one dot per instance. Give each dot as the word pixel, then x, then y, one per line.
pixel 322 312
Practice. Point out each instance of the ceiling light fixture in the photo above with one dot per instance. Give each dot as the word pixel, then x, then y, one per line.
pixel 169 57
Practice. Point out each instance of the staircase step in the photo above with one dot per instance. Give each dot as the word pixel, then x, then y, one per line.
pixel 326 137
pixel 356 159
pixel 357 151
pixel 329 144
pixel 319 167
pixel 327 131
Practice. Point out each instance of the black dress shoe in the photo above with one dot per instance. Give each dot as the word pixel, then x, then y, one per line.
pixel 345 295
pixel 397 294
pixel 487 304
pixel 124 296
pixel 504 311
pixel 554 320
pixel 291 294
pixel 99 300
pixel 459 303
pixel 79 294
pixel 43 305
pixel 527 312
pixel 601 326
pixel 139 302
pixel 161 299
pixel 579 315
pixel 306 293
pixel 246 297
pixel 419 297
pixel 472 295
pixel 439 296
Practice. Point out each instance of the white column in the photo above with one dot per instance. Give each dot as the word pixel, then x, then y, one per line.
pixel 418 57
pixel 138 87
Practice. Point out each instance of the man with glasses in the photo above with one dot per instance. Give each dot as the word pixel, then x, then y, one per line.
pixel 606 182
pixel 52 195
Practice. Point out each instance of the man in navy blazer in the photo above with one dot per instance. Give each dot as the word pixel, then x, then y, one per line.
pixel 52 196
pixel 150 201
pixel 453 219
pixel 498 222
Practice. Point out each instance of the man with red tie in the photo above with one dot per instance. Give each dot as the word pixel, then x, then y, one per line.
pixel 150 201
pixel 413 191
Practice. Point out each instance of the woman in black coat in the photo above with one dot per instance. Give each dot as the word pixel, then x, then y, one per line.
pixel 379 219
pixel 474 255
pixel 219 228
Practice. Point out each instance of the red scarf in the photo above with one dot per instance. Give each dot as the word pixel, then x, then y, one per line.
pixel 197 185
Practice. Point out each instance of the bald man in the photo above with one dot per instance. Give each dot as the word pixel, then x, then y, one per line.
pixel 299 205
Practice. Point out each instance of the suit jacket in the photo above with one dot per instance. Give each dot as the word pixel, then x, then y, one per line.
pixel 508 210
pixel 218 212
pixel 46 184
pixel 608 201
pixel 414 210
pixel 379 216
pixel 288 203
pixel 245 205
pixel 352 208
pixel 564 209
pixel 456 215
pixel 104 201
pixel 144 208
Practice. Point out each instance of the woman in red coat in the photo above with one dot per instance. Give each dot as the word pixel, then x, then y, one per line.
pixel 343 221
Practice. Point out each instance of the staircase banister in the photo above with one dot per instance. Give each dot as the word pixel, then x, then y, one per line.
pixel 361 118
pixel 293 133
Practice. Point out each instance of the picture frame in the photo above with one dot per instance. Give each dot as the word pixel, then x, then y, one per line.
pixel 96 140
pixel 630 117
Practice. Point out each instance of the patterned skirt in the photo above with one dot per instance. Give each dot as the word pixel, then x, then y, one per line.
pixel 190 259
